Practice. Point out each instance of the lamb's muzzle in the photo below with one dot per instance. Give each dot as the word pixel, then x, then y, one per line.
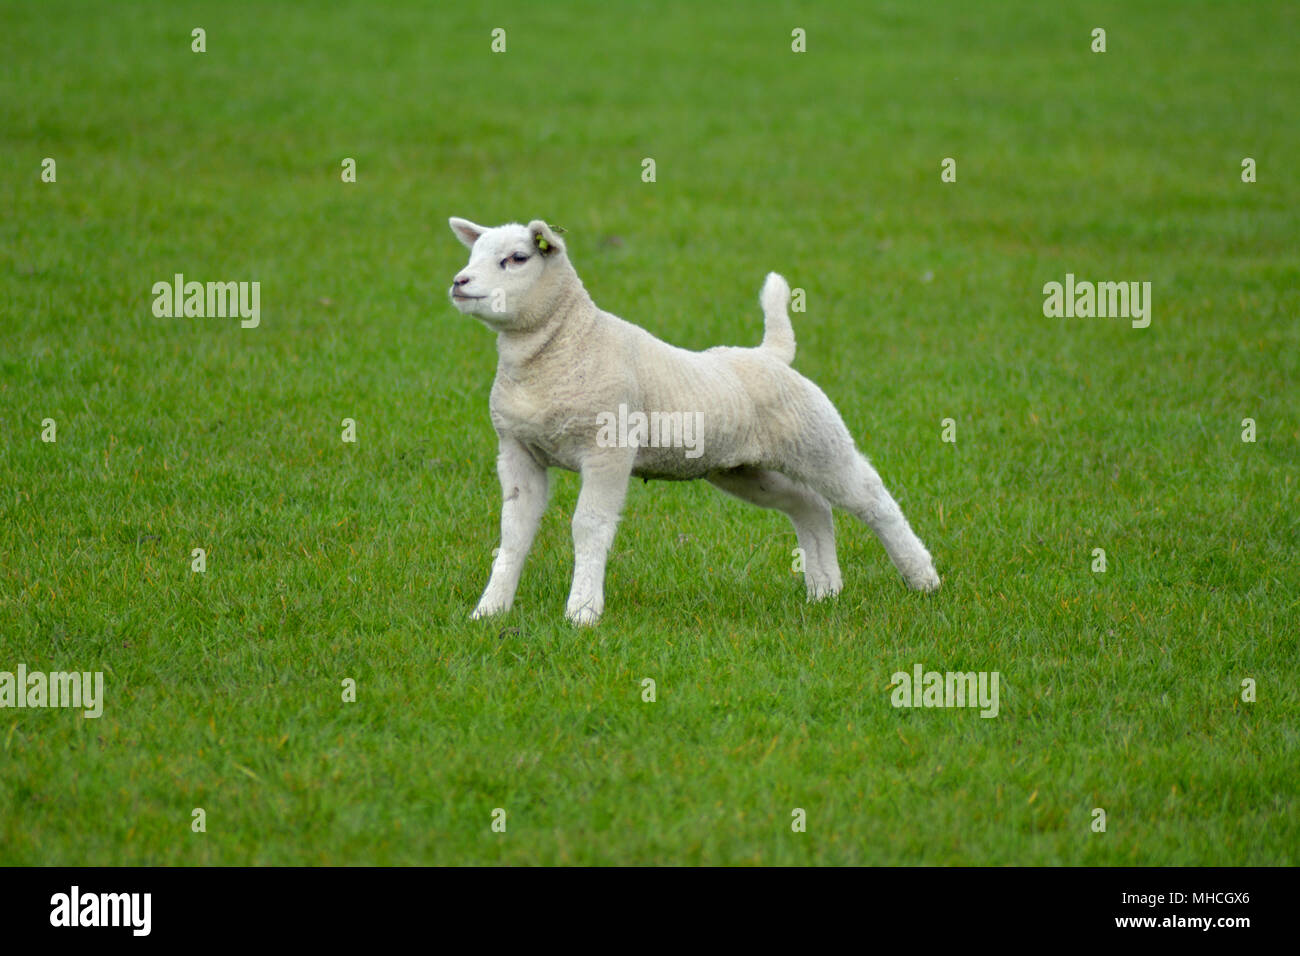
pixel 580 389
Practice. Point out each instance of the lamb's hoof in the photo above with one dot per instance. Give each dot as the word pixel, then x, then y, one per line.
pixel 584 616
pixel 821 584
pixel 486 610
pixel 816 594
pixel 927 581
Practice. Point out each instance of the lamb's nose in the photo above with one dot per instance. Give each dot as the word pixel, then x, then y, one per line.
pixel 460 280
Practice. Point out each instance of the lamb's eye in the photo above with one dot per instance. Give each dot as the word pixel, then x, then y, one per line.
pixel 519 257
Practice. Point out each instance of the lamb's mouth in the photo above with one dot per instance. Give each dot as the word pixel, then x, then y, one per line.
pixel 457 295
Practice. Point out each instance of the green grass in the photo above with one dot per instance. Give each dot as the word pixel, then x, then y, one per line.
pixel 329 561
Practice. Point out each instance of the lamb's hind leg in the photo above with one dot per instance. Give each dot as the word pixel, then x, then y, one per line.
pixel 808 512
pixel 854 485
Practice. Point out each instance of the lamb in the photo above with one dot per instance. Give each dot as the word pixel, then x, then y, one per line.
pixel 567 371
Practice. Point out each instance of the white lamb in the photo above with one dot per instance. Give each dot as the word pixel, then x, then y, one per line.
pixel 579 388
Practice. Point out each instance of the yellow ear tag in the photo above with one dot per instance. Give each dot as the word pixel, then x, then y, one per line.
pixel 542 243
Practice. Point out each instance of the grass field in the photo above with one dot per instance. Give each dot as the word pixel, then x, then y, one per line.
pixel 328 560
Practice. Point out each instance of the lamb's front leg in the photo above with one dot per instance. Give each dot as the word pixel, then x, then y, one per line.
pixel 523 491
pixel 604 488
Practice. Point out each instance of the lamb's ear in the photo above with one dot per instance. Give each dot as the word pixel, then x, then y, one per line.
pixel 545 238
pixel 465 230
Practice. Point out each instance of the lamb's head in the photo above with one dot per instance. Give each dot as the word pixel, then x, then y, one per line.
pixel 514 275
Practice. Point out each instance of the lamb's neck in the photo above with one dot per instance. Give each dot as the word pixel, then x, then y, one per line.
pixel 571 319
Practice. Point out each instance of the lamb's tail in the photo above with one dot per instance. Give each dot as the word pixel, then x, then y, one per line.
pixel 778 334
